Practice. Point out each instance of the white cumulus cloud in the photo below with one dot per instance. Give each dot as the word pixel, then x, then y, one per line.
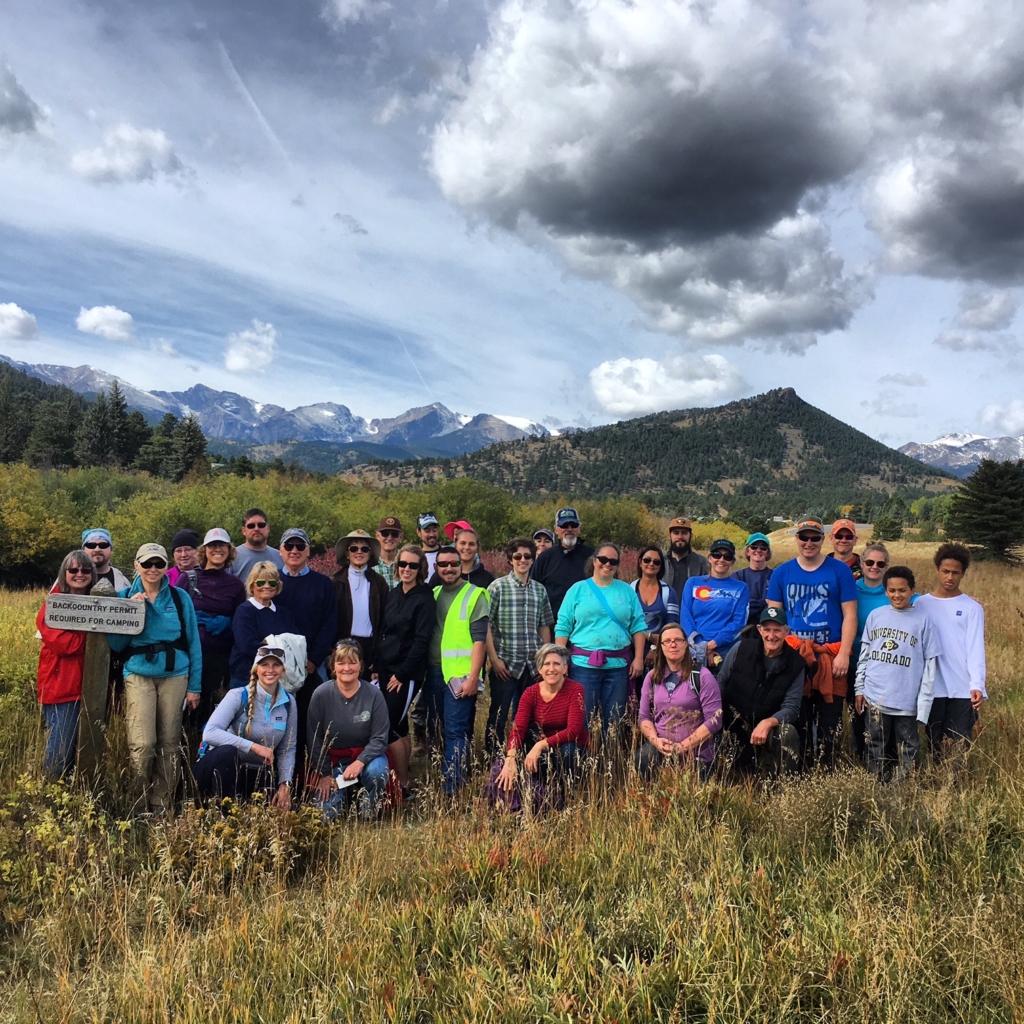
pixel 129 154
pixel 986 309
pixel 635 386
pixel 1005 419
pixel 107 321
pixel 251 350
pixel 978 341
pixel 16 323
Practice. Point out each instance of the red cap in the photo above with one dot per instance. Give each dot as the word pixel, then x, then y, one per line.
pixel 451 528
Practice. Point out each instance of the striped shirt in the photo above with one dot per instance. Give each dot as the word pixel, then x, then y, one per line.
pixel 518 610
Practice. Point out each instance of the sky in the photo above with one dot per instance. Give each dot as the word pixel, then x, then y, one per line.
pixel 573 211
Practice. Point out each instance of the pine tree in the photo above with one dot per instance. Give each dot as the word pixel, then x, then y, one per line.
pixel 988 510
pixel 52 441
pixel 189 448
pixel 92 440
pixel 156 455
pixel 15 420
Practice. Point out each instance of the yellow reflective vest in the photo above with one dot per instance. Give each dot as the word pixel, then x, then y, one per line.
pixel 456 639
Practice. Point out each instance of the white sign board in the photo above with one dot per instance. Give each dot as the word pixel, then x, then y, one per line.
pixel 95 614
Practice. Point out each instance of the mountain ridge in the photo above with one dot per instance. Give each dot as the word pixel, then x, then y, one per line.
pixel 960 453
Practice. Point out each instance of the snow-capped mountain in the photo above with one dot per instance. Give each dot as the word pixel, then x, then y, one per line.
pixel 960 453
pixel 227 416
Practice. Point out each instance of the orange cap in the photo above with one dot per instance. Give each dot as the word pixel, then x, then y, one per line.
pixel 844 524
pixel 680 523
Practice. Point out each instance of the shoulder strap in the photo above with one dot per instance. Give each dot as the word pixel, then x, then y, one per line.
pixel 181 642
pixel 608 608
pixel 695 680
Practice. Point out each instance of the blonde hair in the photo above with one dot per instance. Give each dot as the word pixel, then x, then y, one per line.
pixel 258 570
pixel 253 683
pixel 347 649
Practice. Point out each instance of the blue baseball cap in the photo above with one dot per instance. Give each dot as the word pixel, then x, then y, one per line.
pixel 295 532
pixel 96 533
pixel 564 516
pixel 755 537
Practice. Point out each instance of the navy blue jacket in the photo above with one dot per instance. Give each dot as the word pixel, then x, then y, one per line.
pixel 249 626
pixel 313 605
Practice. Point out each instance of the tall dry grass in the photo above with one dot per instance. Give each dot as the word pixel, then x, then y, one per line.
pixel 827 899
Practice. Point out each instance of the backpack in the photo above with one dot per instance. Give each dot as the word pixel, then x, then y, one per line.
pixel 167 647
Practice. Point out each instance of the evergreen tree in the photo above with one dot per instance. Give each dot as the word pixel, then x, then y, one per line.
pixel 988 510
pixel 52 442
pixel 16 420
pixel 156 455
pixel 136 435
pixel 117 424
pixel 92 440
pixel 189 448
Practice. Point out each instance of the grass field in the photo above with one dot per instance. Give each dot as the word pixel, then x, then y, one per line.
pixel 826 899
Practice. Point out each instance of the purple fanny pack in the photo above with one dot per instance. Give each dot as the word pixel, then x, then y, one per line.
pixel 597 659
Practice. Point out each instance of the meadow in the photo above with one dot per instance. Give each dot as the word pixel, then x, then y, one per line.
pixel 822 899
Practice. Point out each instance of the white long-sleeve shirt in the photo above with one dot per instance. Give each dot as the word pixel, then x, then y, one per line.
pixel 960 622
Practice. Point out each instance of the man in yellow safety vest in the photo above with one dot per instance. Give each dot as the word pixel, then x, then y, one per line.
pixel 457 652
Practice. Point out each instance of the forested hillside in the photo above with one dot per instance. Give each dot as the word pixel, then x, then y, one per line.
pixel 772 453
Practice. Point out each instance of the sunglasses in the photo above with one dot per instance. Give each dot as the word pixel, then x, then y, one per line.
pixel 359 549
pixel 79 571
pixel 722 556
pixel 267 583
pixel 569 526
pixel 759 547
pixel 93 545
pixel 871 563
pixel 651 561
pixel 844 536
pixel 295 545
pixel 348 642
pixel 408 565
pixel 605 560
pixel 807 538
pixel 446 565
pixel 522 557
pixel 255 526
pixel 270 652
pixel 153 563
pixel 390 533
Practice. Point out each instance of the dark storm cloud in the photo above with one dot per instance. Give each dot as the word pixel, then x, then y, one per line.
pixel 19 113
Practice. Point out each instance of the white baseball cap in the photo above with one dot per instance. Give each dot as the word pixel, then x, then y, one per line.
pixel 217 534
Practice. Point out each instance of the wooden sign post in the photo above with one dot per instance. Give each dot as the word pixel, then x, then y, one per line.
pixel 96 615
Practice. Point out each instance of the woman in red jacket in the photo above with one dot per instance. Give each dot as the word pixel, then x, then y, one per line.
pixel 60 670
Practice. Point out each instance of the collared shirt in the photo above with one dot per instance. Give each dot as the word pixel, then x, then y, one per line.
pixel 302 572
pixel 359 587
pixel 518 610
pixel 257 603
pixel 389 572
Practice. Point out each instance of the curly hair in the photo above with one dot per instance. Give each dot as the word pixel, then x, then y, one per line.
pixel 957 552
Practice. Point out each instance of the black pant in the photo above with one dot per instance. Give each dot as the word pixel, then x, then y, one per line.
pixel 505 694
pixel 302 698
pixel 820 721
pixel 650 760
pixel 216 676
pixel 951 723
pixel 398 706
pixel 221 772
pixel 780 753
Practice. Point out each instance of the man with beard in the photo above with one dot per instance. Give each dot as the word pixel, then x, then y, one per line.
pixel 682 562
pixel 99 546
pixel 558 568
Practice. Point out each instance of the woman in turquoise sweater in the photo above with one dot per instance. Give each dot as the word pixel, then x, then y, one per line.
pixel 602 624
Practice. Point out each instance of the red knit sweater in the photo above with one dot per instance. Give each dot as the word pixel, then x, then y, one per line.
pixel 563 719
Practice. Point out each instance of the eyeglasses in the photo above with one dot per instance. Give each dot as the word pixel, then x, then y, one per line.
pixel 255 526
pixel 93 545
pixel 807 538
pixel 153 563
pixel 390 533
pixel 446 565
pixel 522 556
pixel 295 545
pixel 408 565
pixel 722 556
pixel 651 561
pixel 605 560
pixel 872 564
pixel 672 641
pixel 845 535
pixel 267 583
pixel 359 549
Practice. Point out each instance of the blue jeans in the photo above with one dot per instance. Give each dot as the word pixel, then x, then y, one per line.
pixel 606 689
pixel 373 780
pixel 432 700
pixel 459 716
pixel 61 738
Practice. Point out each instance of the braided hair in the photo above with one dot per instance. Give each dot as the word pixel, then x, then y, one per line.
pixel 253 683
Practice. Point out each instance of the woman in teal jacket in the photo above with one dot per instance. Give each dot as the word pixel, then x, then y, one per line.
pixel 164 670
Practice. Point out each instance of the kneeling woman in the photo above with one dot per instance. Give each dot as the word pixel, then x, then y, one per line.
pixel 680 709
pixel 249 741
pixel 552 719
pixel 347 731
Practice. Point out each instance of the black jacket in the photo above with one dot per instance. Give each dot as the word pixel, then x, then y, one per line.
pixel 409 622
pixel 558 569
pixel 754 691
pixel 378 596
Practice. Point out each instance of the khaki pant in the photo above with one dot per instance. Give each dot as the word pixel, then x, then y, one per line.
pixel 153 721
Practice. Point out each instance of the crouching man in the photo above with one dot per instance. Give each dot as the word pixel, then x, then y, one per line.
pixel 762 684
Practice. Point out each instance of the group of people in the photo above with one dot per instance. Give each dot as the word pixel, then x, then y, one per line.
pixel 306 684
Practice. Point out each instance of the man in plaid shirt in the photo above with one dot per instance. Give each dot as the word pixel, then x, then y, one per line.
pixel 520 621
